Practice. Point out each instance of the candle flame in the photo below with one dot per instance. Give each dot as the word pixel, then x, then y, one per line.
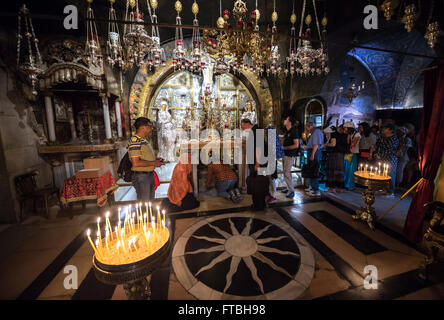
pixel 107 214
pixel 98 220
pixel 149 204
pixel 88 232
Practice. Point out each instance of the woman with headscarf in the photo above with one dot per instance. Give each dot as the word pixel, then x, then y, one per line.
pixel 180 191
pixel 336 145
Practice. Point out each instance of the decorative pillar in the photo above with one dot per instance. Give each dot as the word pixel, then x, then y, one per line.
pixel 50 119
pixel 106 118
pixel 119 119
pixel 72 124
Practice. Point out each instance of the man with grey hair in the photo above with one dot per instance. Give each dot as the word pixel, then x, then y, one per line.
pixel 314 146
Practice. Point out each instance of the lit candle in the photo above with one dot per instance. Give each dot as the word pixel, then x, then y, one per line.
pixel 108 224
pixel 361 166
pixel 146 237
pixel 379 164
pixel 88 233
pixel 153 223
pixel 98 227
pixel 137 212
pixel 151 212
pixel 371 170
pixel 118 251
pixel 366 168
pixel 106 240
pixel 146 209
pixel 145 220
pixel 100 257
pixel 163 214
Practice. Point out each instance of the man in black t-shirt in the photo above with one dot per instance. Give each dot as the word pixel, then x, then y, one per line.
pixel 291 150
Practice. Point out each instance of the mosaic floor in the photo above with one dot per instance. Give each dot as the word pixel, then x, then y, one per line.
pixel 304 249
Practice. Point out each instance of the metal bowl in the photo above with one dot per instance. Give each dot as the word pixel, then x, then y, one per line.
pixel 374 184
pixel 124 273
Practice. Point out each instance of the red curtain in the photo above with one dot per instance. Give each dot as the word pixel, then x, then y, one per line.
pixel 431 147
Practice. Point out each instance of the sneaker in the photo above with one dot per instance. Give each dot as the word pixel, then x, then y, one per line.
pixel 284 191
pixel 290 195
pixel 271 200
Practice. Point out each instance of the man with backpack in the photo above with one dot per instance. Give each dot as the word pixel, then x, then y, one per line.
pixel 143 160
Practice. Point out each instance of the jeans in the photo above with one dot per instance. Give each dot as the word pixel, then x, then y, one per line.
pixel 143 182
pixel 400 171
pixel 392 174
pixel 288 162
pixel 223 186
pixel 314 182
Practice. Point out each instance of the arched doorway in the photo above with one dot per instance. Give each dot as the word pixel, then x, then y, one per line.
pixel 314 112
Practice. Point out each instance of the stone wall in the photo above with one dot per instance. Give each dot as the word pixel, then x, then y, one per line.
pixel 19 144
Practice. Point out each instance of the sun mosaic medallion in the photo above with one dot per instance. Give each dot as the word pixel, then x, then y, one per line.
pixel 242 256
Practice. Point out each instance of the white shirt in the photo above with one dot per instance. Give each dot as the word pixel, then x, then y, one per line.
pixel 356 135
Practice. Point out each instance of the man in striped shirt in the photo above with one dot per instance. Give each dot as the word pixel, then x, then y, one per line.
pixel 143 160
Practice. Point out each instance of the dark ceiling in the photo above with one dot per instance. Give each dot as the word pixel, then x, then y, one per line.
pixel 48 15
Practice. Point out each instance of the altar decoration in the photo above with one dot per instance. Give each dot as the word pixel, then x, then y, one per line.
pixel 375 178
pixel 75 189
pixel 129 251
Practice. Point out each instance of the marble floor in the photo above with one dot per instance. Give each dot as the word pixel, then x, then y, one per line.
pixel 305 248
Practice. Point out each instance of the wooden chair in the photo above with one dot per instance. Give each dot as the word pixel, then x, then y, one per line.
pixel 26 188
pixel 434 236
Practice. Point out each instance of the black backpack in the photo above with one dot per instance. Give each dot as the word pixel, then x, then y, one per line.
pixel 124 171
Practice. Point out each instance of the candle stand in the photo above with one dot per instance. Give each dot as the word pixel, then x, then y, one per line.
pixel 133 276
pixel 373 183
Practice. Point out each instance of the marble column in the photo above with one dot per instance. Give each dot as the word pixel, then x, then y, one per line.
pixel 50 118
pixel 106 119
pixel 119 119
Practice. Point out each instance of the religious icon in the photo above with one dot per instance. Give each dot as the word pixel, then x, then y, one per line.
pixel 166 135
pixel 250 112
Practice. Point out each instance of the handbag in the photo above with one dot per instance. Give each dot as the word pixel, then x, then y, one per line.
pixel 348 156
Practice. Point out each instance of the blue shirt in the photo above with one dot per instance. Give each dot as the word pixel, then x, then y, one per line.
pixel 317 137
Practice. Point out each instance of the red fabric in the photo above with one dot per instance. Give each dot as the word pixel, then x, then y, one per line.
pixel 156 180
pixel 431 147
pixel 90 188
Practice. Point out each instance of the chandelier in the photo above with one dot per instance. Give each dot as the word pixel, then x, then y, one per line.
pixel 310 61
pixel 92 54
pixel 292 59
pixel 197 64
pixel 410 16
pixel 114 53
pixel 388 7
pixel 352 91
pixel 242 43
pixel 179 62
pixel 137 41
pixel 156 56
pixel 273 66
pixel 32 66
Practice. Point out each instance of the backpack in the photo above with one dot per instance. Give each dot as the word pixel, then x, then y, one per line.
pixel 124 171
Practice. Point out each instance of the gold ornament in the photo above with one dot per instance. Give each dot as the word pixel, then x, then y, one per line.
pixel 258 15
pixel 324 22
pixel 195 8
pixel 112 1
pixel 432 33
pixel 308 20
pixel 388 7
pixel 274 16
pixel 178 6
pixel 132 3
pixel 239 9
pixel 89 1
pixel 293 18
pixel 410 16
pixel 220 22
pixel 154 4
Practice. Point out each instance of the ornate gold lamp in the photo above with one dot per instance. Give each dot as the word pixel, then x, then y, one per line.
pixel 374 180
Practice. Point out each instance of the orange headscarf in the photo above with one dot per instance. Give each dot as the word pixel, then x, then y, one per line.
pixel 180 183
